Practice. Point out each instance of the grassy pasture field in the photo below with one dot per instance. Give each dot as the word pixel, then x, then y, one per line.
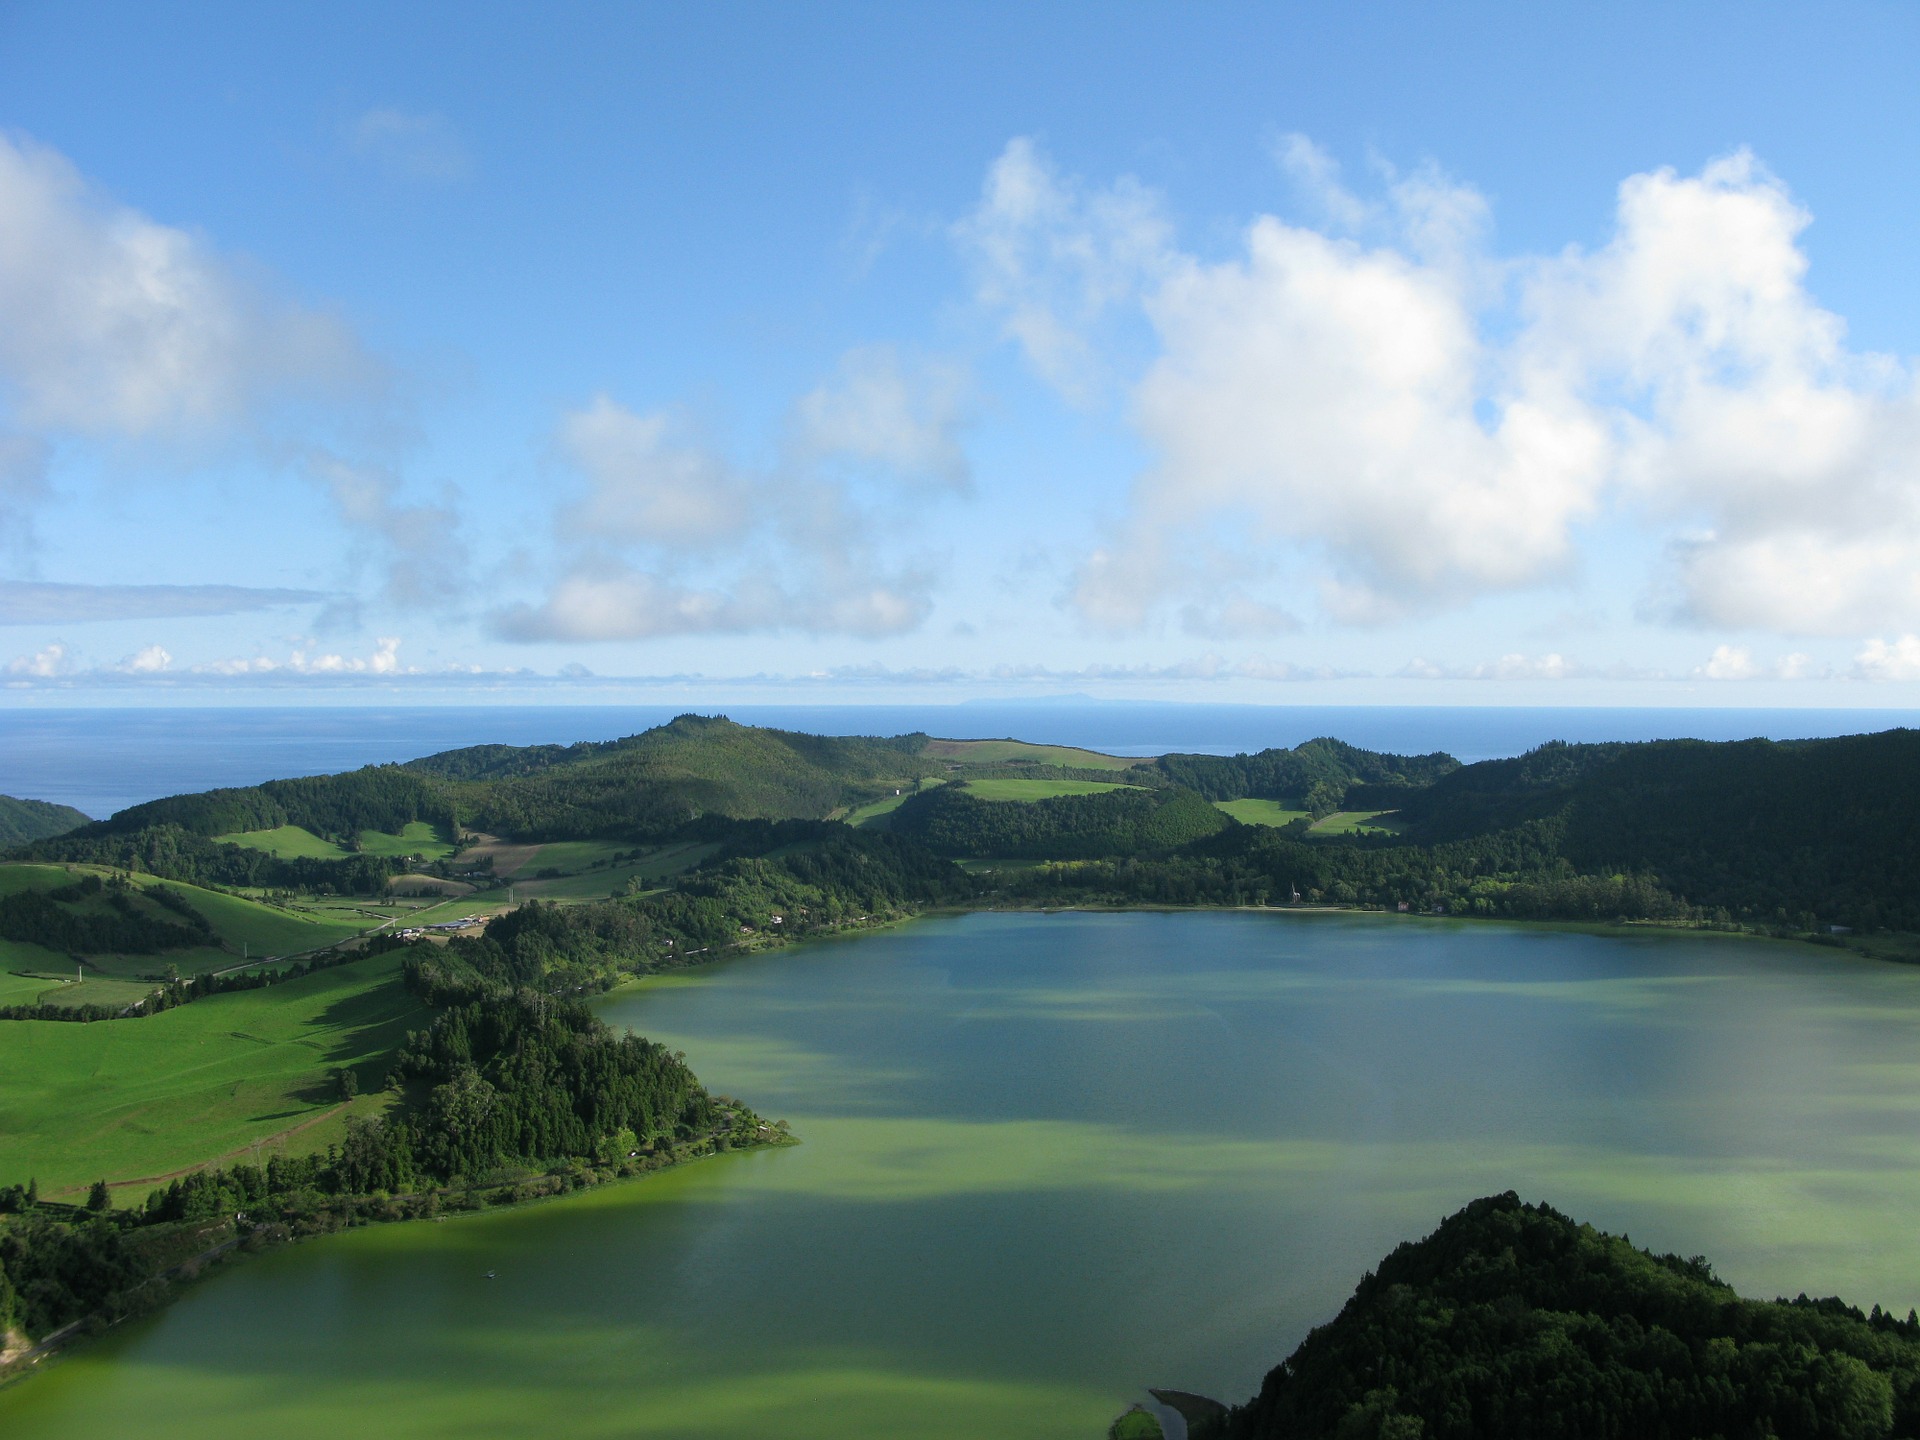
pixel 1005 752
pixel 290 842
pixel 873 810
pixel 586 883
pixel 1259 812
pixel 419 838
pixel 1040 789
pixel 1358 822
pixel 134 1099
pixel 285 842
pixel 252 926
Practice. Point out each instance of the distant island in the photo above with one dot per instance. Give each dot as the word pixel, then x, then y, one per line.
pixel 449 916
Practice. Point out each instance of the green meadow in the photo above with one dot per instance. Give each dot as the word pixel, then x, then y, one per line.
pixel 1260 812
pixel 244 926
pixel 1358 822
pixel 1009 752
pixel 290 842
pixel 581 881
pixel 873 810
pixel 1040 789
pixel 142 1098
pixel 419 838
pixel 287 842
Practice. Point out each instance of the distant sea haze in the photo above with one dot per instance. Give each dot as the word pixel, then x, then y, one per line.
pixel 103 760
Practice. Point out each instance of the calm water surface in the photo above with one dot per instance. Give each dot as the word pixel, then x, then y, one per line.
pixel 1051 1159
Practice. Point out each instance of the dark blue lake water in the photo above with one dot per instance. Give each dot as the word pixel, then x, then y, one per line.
pixel 102 760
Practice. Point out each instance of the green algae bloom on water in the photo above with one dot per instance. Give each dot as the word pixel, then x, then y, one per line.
pixel 1049 1160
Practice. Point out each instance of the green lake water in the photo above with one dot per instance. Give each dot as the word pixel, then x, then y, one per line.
pixel 1052 1159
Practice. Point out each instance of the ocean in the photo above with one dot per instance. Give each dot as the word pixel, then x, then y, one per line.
pixel 102 760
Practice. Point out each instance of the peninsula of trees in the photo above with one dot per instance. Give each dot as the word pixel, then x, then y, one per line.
pixel 1511 1319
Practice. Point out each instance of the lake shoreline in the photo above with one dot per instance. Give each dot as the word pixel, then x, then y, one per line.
pixel 358 1212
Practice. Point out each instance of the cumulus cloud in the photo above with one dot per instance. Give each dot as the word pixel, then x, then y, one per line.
pixel 148 660
pixel 1889 660
pixel 29 602
pixel 903 420
pixel 119 331
pixel 1737 662
pixel 671 537
pixel 309 660
pixel 1053 258
pixel 1399 418
pixel 41 664
pixel 410 147
pixel 650 482
pixel 113 324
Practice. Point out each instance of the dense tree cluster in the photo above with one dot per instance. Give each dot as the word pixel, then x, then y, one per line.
pixel 1318 777
pixel 775 880
pixel 169 851
pixel 952 821
pixel 650 785
pixel 90 916
pixel 1793 832
pixel 1510 1319
pixel 24 820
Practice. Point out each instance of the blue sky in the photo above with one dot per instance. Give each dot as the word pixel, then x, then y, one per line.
pixel 1417 354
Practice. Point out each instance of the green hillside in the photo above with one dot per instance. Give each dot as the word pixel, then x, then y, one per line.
pixel 141 1098
pixel 130 926
pixel 651 783
pixel 24 820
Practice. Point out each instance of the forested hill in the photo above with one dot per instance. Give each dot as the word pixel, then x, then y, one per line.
pixel 1826 827
pixel 1512 1319
pixel 24 820
pixel 1320 776
pixel 692 766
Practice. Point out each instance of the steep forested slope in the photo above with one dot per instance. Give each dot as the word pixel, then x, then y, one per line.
pixel 24 820
pixel 1512 1319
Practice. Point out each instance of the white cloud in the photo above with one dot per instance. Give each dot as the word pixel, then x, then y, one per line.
pixel 148 660
pixel 1402 420
pixel 42 664
pixel 385 660
pixel 1889 660
pixel 673 538
pixel 650 484
pixel 619 602
pixel 1741 404
pixel 1053 258
pixel 410 147
pixel 880 412
pixel 1730 662
pixel 119 331
pixel 112 324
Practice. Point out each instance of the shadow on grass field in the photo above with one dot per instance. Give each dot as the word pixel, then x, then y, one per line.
pixel 202 1081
